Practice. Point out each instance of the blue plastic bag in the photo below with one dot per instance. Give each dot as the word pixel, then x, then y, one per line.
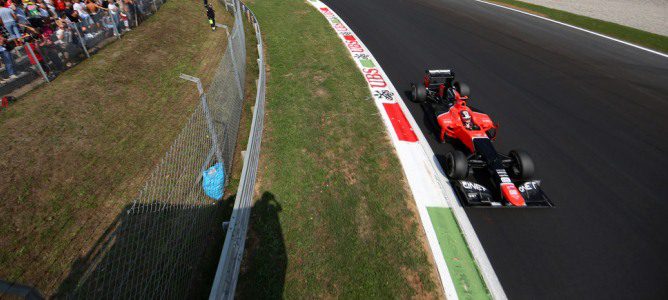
pixel 213 181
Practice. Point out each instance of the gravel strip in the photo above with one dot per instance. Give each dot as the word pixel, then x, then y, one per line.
pixel 648 15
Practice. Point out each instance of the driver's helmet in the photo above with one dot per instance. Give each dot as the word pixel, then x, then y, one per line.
pixel 466 118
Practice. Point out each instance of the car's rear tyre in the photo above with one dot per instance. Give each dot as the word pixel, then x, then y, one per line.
pixel 456 165
pixel 418 93
pixel 462 89
pixel 522 166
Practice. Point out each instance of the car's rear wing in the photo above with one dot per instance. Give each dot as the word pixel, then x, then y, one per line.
pixel 441 73
pixel 438 77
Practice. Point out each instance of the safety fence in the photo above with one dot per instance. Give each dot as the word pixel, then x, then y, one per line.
pixel 227 272
pixel 50 45
pixel 155 249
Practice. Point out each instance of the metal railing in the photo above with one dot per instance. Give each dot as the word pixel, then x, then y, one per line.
pixel 227 272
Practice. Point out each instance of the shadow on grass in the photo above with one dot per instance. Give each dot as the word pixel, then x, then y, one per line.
pixel 172 251
pixel 262 274
pixel 152 251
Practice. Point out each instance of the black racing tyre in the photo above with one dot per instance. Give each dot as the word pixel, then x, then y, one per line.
pixel 456 165
pixel 418 93
pixel 523 166
pixel 462 89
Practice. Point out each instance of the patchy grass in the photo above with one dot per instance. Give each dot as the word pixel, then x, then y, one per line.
pixel 629 34
pixel 334 218
pixel 75 151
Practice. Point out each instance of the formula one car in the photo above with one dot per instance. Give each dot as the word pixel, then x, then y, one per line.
pixel 510 176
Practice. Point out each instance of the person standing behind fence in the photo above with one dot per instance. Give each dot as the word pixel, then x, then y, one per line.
pixel 60 7
pixel 44 10
pixel 211 14
pixel 48 4
pixel 35 17
pixel 95 10
pixel 9 19
pixel 19 11
pixel 131 11
pixel 71 14
pixel 7 59
pixel 83 14
pixel 115 12
pixel 49 50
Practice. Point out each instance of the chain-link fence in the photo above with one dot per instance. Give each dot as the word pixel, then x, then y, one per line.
pixel 153 249
pixel 227 272
pixel 57 42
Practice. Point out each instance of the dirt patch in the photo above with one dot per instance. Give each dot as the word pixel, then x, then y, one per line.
pixel 320 92
pixel 363 221
pixel 413 279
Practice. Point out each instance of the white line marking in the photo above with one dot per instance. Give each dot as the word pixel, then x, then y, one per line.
pixel 477 251
pixel 410 154
pixel 578 28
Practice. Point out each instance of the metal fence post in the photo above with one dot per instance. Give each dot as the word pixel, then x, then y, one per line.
pixel 230 42
pixel 207 115
pixel 28 47
pixel 227 273
pixel 134 7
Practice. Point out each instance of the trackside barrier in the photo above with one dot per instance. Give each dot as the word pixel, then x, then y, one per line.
pixel 227 272
pixel 154 248
pixel 155 245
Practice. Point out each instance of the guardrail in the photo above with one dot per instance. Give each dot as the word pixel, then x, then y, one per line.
pixel 227 272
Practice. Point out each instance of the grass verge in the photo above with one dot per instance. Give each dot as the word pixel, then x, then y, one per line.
pixel 75 151
pixel 334 218
pixel 625 33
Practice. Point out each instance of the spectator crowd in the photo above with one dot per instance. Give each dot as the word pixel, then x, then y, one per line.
pixel 48 36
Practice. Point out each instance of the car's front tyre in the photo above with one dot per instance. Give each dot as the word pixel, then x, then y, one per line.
pixel 522 167
pixel 456 165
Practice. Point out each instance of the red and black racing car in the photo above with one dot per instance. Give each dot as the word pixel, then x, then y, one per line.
pixel 510 176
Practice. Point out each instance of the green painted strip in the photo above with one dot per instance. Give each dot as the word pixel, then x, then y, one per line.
pixel 463 270
pixel 367 63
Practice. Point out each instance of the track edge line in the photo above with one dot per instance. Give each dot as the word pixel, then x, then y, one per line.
pixel 480 257
pixel 578 28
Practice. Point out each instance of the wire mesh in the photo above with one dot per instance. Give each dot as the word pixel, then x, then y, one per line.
pixel 152 250
pixel 230 259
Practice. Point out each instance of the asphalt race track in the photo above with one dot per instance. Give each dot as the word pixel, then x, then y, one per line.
pixel 592 112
